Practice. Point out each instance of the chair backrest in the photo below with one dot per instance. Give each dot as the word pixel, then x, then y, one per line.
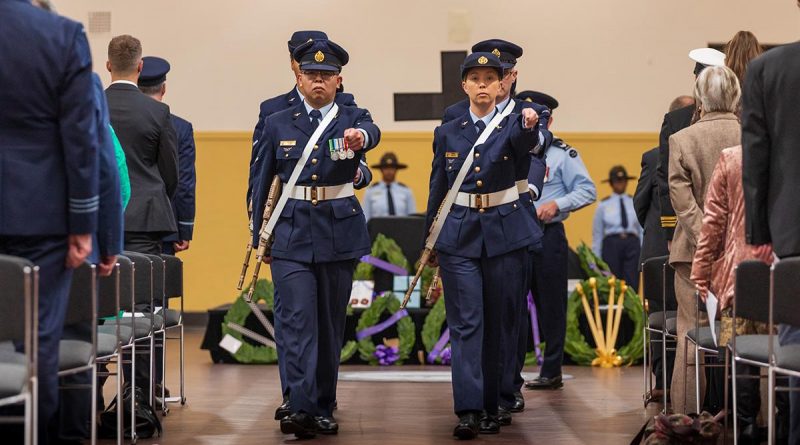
pixel 670 301
pixel 653 279
pixel 108 294
pixel 173 276
pixel 126 286
pixel 142 278
pixel 786 306
pixel 82 295
pixel 751 291
pixel 158 279
pixel 16 274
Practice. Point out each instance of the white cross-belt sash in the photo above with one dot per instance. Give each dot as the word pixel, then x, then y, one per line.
pixel 266 233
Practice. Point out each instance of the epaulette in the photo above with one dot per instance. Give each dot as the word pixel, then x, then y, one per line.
pixel 401 184
pixel 558 142
pixel 606 198
pixel 375 184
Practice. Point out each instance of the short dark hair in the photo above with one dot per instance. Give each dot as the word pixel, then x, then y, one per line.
pixel 124 53
pixel 151 90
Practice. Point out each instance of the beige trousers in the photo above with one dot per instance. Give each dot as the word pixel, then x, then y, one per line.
pixel 683 375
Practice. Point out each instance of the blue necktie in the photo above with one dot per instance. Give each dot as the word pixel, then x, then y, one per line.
pixel 480 126
pixel 389 200
pixel 316 116
pixel 623 213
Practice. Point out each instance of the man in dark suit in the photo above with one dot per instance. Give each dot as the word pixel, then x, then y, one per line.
pixel 49 161
pixel 675 121
pixel 145 130
pixel 292 98
pixel 153 82
pixel 771 168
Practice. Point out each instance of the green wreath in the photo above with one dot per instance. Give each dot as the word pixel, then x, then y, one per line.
pixel 238 313
pixel 262 354
pixel 432 328
pixel 386 249
pixel 575 343
pixel 405 329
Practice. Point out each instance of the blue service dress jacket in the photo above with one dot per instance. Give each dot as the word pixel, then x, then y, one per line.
pixel 498 230
pixel 332 230
pixel 183 203
pixel 48 125
pixel 280 103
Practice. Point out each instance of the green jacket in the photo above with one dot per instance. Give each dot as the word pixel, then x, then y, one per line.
pixel 122 165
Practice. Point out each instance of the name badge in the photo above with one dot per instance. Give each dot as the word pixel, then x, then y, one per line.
pixel 288 143
pixel 451 154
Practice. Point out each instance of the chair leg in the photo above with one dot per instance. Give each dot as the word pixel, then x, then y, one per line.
pixel 133 394
pixel 120 427
pixel 664 369
pixel 164 409
pixel 93 437
pixel 152 364
pixel 697 377
pixel 725 396
pixel 735 407
pixel 182 367
pixel 771 408
pixel 686 369
pixel 645 365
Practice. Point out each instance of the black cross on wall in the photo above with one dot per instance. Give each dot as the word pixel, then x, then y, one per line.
pixel 431 106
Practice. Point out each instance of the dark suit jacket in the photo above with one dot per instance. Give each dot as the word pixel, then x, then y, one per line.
pixel 48 125
pixel 648 208
pixel 145 131
pixel 674 121
pixel 770 155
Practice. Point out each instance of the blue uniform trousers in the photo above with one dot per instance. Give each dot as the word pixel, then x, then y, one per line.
pixel 482 295
pixel 548 276
pixel 311 318
pixel 49 253
pixel 622 256
pixel 517 350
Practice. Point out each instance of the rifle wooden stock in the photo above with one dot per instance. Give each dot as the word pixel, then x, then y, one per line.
pixel 246 263
pixel 263 244
pixel 423 260
pixel 434 284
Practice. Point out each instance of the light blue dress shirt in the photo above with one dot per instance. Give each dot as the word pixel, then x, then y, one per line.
pixel 567 181
pixel 608 220
pixel 376 203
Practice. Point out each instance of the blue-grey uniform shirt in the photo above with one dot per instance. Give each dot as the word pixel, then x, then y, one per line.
pixel 376 202
pixel 608 220
pixel 567 181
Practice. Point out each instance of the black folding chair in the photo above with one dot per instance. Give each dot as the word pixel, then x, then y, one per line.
pixel 19 323
pixel 655 293
pixel 173 320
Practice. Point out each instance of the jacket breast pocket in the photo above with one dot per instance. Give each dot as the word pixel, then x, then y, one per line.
pixel 452 166
pixel 292 153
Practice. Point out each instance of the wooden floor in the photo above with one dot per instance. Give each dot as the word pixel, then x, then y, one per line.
pixel 234 404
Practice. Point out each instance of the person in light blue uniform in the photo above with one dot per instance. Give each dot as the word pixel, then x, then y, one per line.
pixel 482 250
pixel 616 233
pixel 49 192
pixel 320 234
pixel 153 82
pixel 292 98
pixel 567 188
pixel 389 197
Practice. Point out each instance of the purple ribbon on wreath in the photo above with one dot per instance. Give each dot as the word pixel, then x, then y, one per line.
pixel 439 348
pixel 593 266
pixel 386 355
pixel 535 328
pixel 384 265
pixel 380 327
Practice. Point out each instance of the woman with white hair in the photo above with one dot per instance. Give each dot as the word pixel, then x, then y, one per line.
pixel 693 154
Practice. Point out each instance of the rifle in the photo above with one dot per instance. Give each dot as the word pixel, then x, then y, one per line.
pixel 432 287
pixel 423 259
pixel 248 251
pixel 264 244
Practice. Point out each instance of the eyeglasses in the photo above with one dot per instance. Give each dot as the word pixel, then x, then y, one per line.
pixel 325 75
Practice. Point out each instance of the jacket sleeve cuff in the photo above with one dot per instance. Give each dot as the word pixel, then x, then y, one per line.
pixel 83 214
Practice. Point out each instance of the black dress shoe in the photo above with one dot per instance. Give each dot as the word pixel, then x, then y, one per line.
pixel 545 383
pixel 285 410
pixel 467 427
pixel 302 425
pixel 490 424
pixel 504 416
pixel 519 403
pixel 327 425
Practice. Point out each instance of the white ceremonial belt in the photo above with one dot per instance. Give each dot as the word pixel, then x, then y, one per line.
pixel 522 187
pixel 484 201
pixel 320 193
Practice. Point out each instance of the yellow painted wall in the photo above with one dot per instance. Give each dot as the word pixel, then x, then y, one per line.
pixel 213 262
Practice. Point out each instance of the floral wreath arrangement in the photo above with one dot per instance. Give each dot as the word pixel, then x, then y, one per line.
pixel 392 351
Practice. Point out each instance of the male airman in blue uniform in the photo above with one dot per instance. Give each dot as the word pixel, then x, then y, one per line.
pixel 567 188
pixel 389 197
pixel 529 182
pixel 292 98
pixel 320 233
pixel 152 81
pixel 616 232
pixel 50 167
pixel 482 250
